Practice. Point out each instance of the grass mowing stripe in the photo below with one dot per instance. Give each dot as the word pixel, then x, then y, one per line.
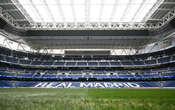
pixel 86 99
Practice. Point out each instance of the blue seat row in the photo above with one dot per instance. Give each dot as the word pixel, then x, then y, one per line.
pixel 76 76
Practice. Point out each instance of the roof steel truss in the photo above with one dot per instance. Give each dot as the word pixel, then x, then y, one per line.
pixel 88 24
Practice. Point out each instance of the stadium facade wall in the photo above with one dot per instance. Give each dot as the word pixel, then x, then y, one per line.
pixel 33 84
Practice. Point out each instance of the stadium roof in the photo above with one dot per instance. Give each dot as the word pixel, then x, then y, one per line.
pixel 88 14
pixel 63 11
pixel 87 24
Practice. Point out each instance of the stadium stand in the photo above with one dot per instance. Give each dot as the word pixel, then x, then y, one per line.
pixel 16 65
pixel 84 64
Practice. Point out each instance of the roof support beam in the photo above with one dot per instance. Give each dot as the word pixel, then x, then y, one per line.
pixel 9 4
pixel 23 11
pixel 136 14
pixel 11 10
pixel 73 11
pixel 125 11
pixel 113 10
pixel 154 19
pixel 20 20
pixel 60 10
pixel 8 18
pixel 168 3
pixel 101 10
pixel 169 16
pixel 153 10
pixel 87 10
pixel 49 11
pixel 163 9
pixel 31 1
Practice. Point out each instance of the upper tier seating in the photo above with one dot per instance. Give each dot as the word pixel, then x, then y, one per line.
pixel 38 59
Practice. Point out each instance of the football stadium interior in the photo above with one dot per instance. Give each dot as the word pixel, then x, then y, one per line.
pixel 84 45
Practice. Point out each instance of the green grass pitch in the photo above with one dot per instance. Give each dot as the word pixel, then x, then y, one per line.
pixel 86 99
